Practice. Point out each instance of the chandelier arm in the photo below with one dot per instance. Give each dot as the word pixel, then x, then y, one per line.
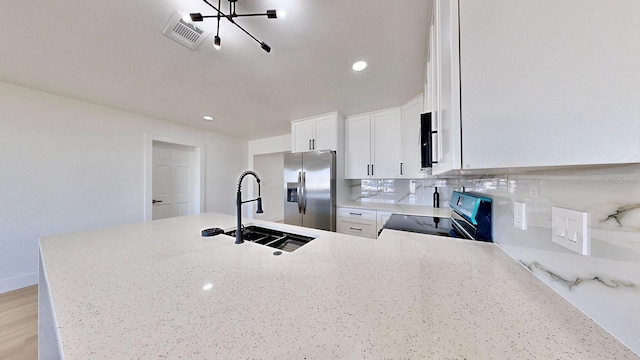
pixel 218 27
pixel 220 13
pixel 230 18
pixel 243 15
pixel 233 16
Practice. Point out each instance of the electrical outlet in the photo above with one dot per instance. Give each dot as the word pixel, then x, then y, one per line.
pixel 519 215
pixel 570 229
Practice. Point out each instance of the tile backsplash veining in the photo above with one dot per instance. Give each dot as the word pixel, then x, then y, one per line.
pixel 605 285
pixel 401 192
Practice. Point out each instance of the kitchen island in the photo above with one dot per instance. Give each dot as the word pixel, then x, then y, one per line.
pixel 161 290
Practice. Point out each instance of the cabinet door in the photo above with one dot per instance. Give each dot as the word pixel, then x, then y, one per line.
pixel 429 86
pixel 447 108
pixel 549 83
pixel 385 149
pixel 382 218
pixel 410 141
pixel 324 130
pixel 301 134
pixel 357 147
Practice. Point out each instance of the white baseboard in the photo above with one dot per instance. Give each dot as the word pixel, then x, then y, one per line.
pixel 18 282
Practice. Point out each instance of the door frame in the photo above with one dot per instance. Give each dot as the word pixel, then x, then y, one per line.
pixel 198 177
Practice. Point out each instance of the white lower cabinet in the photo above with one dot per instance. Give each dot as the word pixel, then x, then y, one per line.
pixel 361 222
pixel 382 218
pixel 358 228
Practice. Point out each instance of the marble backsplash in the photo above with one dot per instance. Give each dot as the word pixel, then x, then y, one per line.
pixel 605 285
pixel 401 192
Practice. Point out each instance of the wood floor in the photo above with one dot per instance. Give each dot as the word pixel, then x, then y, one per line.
pixel 19 324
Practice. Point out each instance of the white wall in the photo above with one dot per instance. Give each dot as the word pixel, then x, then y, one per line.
pixel 272 145
pixel 68 165
pixel 270 167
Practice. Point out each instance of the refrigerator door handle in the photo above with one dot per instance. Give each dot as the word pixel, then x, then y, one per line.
pixel 299 190
pixel 304 194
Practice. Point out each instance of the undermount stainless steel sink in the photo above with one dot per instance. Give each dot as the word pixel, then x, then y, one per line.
pixel 277 239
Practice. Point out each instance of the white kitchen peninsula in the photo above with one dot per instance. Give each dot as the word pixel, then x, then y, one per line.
pixel 159 289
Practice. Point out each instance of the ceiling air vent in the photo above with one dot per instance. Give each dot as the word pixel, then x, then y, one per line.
pixel 184 32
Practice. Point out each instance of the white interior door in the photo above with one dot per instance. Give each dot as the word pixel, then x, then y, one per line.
pixel 173 181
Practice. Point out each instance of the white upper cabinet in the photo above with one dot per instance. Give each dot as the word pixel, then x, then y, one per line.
pixel 372 145
pixel 410 138
pixel 316 133
pixel 385 139
pixel 325 133
pixel 357 137
pixel 445 62
pixel 549 83
pixel 302 134
pixel 534 84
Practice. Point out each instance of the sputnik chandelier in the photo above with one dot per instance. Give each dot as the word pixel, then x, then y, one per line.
pixel 270 14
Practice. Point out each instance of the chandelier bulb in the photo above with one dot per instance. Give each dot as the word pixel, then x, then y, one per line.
pixel 281 14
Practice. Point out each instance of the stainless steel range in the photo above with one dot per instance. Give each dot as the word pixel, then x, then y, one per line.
pixel 470 219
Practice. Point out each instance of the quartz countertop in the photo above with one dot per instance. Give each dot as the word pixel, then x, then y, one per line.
pixel 160 290
pixel 406 209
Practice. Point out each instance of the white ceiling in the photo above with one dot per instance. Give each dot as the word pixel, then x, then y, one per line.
pixel 113 53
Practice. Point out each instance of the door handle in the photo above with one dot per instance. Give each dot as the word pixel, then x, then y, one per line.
pixel 304 193
pixel 156 201
pixel 299 189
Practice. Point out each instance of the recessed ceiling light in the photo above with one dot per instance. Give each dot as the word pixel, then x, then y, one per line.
pixel 207 117
pixel 359 65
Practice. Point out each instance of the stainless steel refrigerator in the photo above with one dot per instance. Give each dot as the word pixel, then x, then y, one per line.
pixel 310 189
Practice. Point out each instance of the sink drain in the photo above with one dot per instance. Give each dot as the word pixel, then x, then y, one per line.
pixel 276 253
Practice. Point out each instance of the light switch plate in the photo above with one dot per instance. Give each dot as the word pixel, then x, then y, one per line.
pixel 570 229
pixel 519 215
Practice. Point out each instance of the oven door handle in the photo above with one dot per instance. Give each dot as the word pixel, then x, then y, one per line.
pixel 460 229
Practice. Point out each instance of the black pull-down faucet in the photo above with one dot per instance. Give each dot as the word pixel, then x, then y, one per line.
pixel 239 203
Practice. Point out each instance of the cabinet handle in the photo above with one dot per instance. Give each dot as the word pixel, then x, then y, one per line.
pixel 401 169
pixel 313 144
pixel 371 169
pixel 309 144
pixel 355 214
pixel 355 228
pixel 367 169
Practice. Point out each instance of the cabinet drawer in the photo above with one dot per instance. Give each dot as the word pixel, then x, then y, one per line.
pixel 357 214
pixel 360 228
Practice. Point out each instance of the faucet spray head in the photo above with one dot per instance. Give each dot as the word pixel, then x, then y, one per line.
pixel 259 210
